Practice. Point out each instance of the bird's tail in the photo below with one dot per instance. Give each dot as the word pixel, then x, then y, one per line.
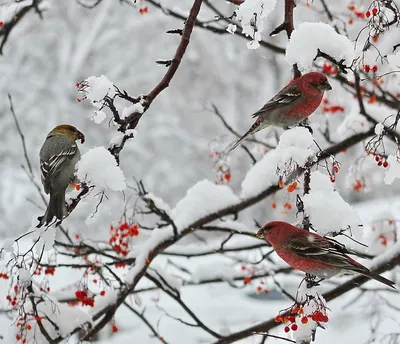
pixel 56 208
pixel 378 278
pixel 253 129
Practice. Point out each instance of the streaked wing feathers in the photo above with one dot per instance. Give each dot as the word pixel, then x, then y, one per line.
pixel 53 166
pixel 325 250
pixel 288 95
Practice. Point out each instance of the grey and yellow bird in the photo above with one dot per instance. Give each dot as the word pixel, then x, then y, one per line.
pixel 58 157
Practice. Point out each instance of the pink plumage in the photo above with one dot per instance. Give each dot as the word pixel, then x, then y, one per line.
pixel 292 104
pixel 312 253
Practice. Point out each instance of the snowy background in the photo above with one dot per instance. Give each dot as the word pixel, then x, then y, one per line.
pixel 173 153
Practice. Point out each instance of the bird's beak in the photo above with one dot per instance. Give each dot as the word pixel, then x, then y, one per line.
pixel 81 137
pixel 326 86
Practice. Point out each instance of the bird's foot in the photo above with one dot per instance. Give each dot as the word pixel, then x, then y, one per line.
pixel 306 124
pixel 312 281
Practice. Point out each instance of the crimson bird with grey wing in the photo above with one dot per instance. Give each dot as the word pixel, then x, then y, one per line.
pixel 291 105
pixel 313 253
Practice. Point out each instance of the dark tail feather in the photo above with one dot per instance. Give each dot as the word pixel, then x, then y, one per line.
pixel 253 129
pixel 56 208
pixel 379 278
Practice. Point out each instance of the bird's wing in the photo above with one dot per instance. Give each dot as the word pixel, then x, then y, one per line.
pixel 54 164
pixel 287 95
pixel 324 250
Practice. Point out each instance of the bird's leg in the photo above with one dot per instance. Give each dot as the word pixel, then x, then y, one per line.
pixel 311 281
pixel 306 124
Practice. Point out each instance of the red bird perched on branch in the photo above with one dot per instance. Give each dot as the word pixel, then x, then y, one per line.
pixel 312 253
pixel 291 105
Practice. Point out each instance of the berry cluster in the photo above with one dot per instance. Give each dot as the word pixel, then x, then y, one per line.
pixel 374 12
pixel 330 69
pixel 50 270
pixel 383 239
pixel 120 235
pixel 289 319
pixel 221 167
pixel 287 205
pixel 292 187
pixel 24 327
pixel 358 14
pixel 368 68
pixel 297 311
pixel 381 162
pixel 12 300
pixel 358 185
pixel 331 108
pixel 82 296
pixel 143 9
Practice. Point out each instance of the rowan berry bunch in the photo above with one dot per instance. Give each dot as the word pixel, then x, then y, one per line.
pixel 378 18
pixel 121 236
pixel 331 108
pixel 386 231
pixel 143 9
pixel 330 69
pixel 25 324
pixel 299 314
pixel 221 166
pixel 85 298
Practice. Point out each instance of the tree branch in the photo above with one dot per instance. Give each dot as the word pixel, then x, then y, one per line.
pixel 288 26
pixel 329 296
pixel 132 120
pixel 8 27
pixel 109 311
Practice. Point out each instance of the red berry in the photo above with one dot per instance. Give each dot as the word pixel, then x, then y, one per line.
pixel 278 319
pixel 374 11
pixel 375 69
pixel 368 14
pixel 294 327
pixel 335 169
pixel 377 158
pixel 380 163
pixel 304 320
pixel 367 68
pixel 385 164
pixel 332 179
pixel 286 329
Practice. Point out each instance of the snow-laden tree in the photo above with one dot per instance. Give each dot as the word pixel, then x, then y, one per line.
pixel 159 243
